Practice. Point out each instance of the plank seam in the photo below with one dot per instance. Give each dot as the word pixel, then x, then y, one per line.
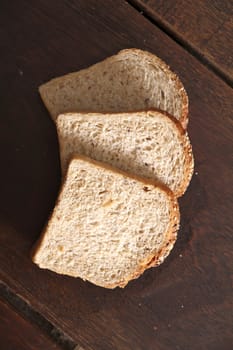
pixel 181 42
pixel 26 311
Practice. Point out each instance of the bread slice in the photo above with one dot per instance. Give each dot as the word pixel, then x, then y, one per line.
pixel 131 80
pixel 150 144
pixel 107 227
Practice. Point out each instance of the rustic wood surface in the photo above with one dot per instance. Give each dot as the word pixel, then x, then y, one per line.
pixel 186 303
pixel 17 333
pixel 206 26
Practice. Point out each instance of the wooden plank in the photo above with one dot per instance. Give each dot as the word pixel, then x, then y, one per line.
pixel 186 302
pixel 205 26
pixel 18 333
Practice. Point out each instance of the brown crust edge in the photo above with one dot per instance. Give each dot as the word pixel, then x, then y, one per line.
pixel 189 159
pixel 153 260
pixel 152 57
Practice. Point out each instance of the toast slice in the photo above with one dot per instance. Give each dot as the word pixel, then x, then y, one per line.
pixel 107 227
pixel 149 144
pixel 131 80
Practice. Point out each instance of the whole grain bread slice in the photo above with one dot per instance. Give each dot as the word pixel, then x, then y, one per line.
pixel 149 144
pixel 131 80
pixel 107 227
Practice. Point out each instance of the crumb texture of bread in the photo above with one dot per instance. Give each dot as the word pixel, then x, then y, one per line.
pixel 148 144
pixel 107 227
pixel 131 80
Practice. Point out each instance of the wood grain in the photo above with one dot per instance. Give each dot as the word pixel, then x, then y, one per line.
pixel 18 333
pixel 205 26
pixel 186 302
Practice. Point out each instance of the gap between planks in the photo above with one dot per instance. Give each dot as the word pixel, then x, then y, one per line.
pixel 26 311
pixel 180 41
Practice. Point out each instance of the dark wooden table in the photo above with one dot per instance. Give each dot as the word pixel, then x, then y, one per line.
pixel 186 303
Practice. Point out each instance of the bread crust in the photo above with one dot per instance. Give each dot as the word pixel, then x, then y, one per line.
pixel 154 61
pixel 169 237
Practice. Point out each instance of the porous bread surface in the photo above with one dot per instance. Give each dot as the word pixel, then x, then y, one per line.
pixel 131 80
pixel 107 228
pixel 148 144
